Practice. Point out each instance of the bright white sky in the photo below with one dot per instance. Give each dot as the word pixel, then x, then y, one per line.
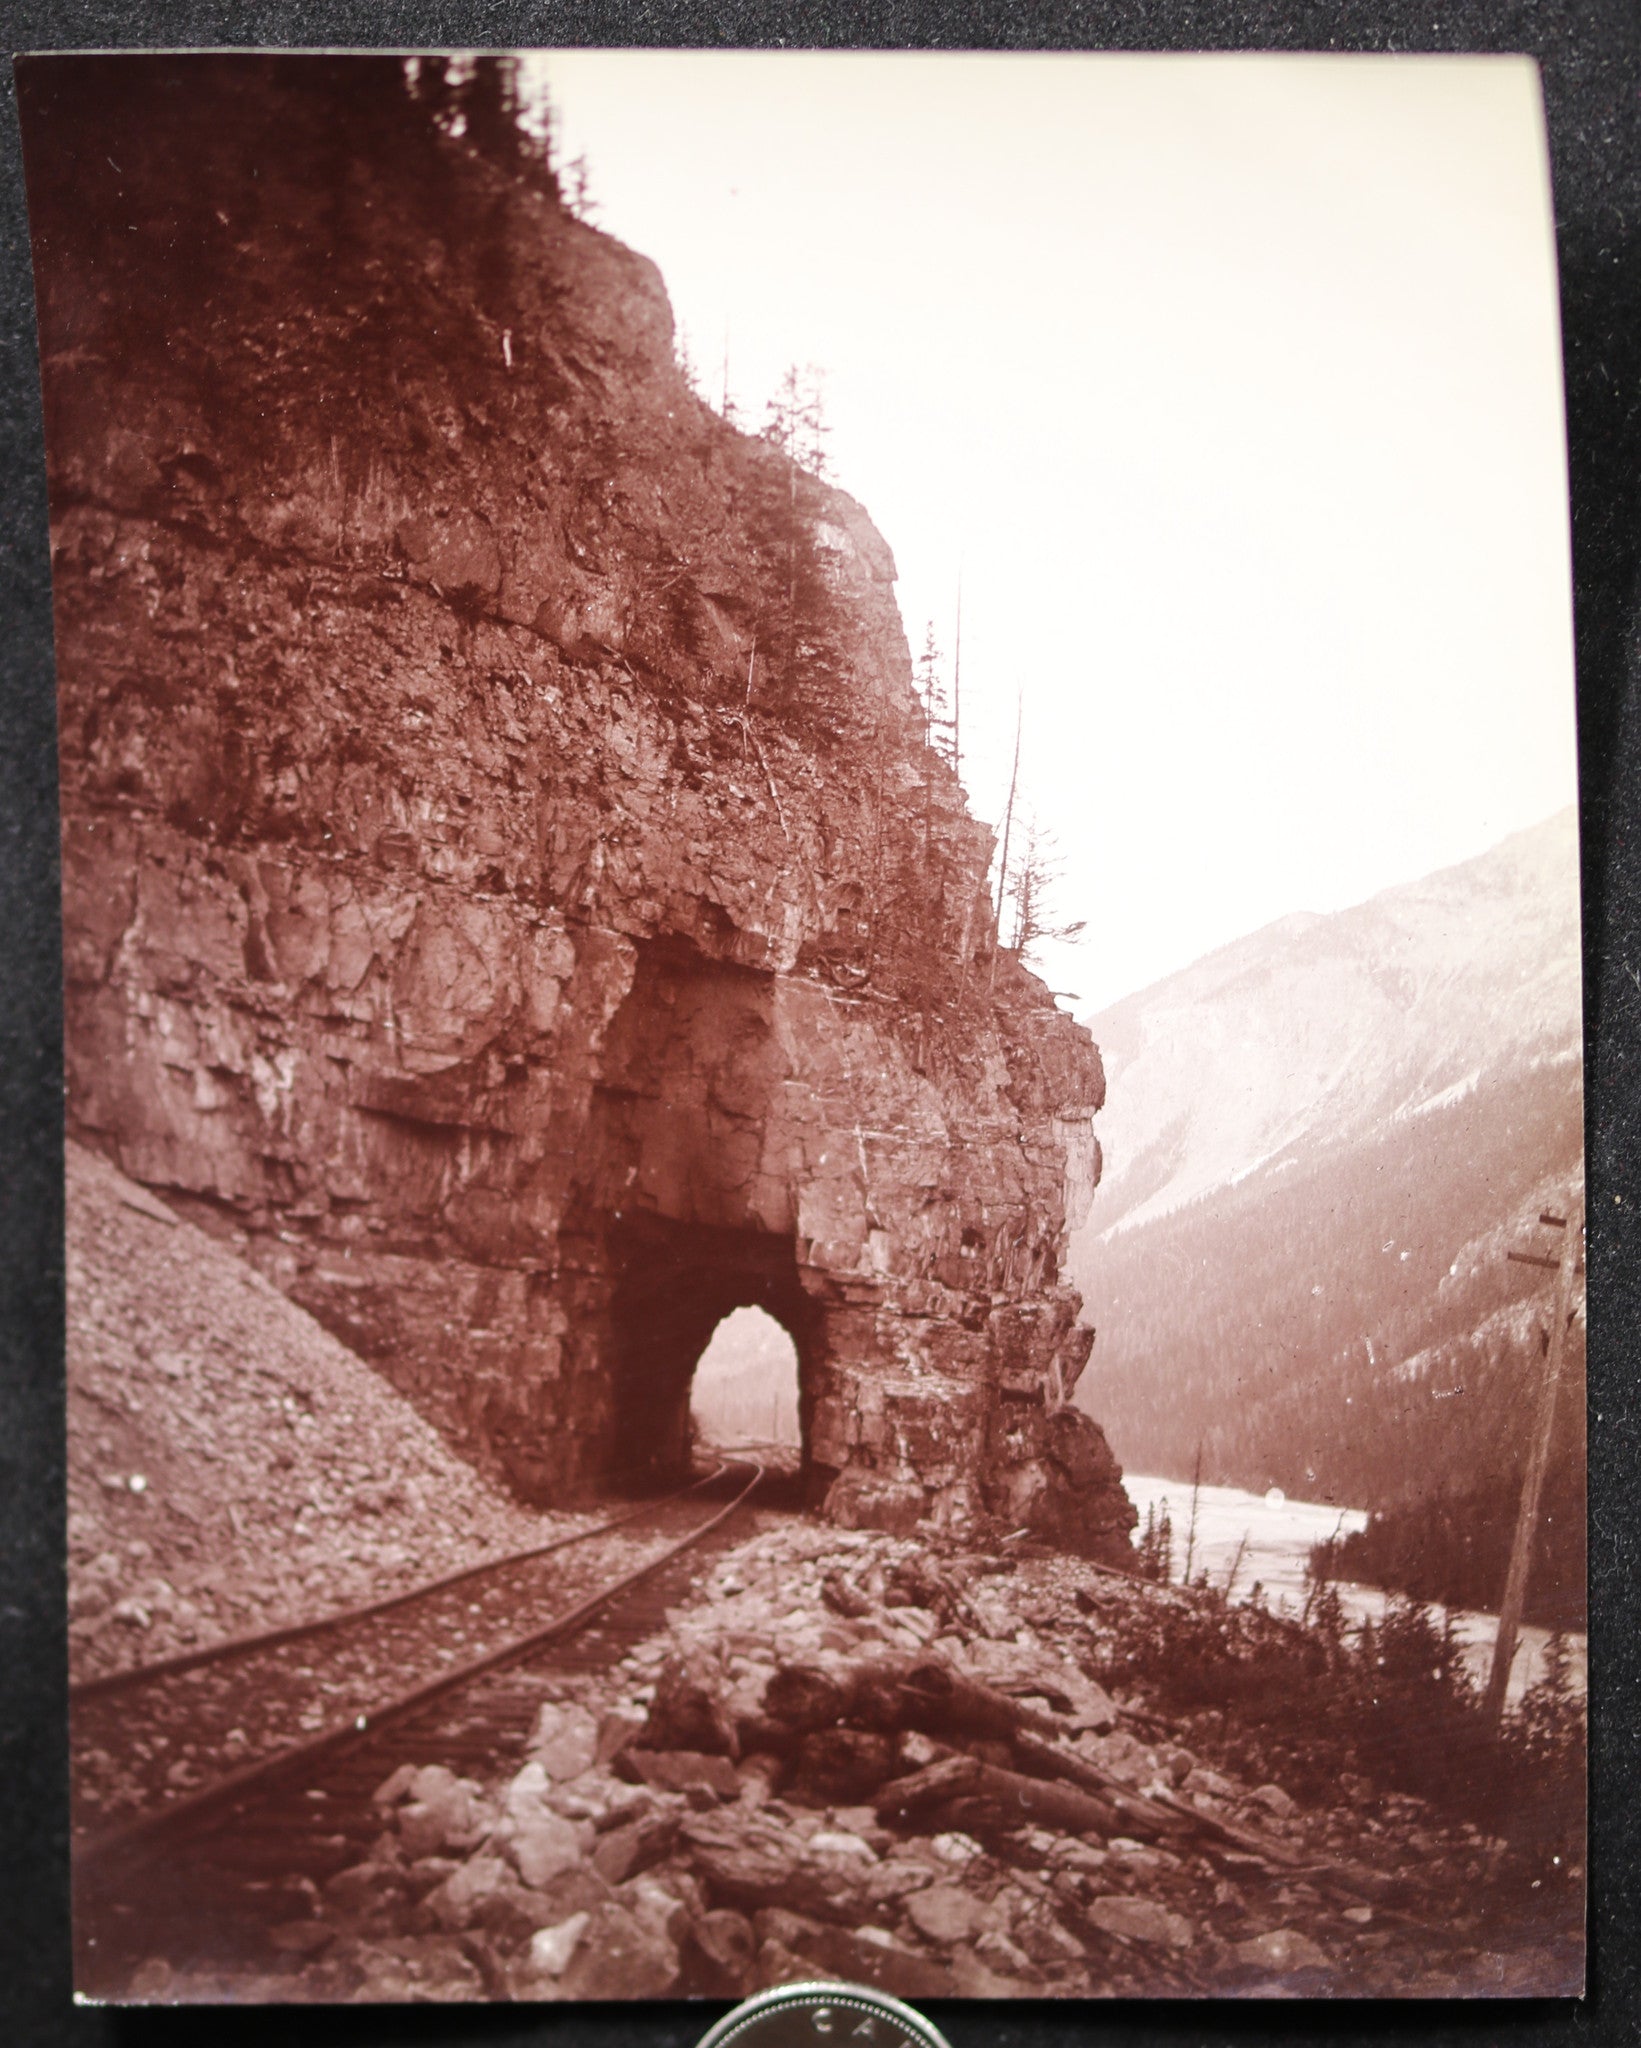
pixel 1232 384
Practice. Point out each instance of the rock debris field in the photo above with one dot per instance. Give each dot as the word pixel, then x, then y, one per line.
pixel 754 1795
pixel 845 1754
pixel 231 1467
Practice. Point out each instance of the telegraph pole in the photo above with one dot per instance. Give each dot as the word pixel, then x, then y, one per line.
pixel 1538 1457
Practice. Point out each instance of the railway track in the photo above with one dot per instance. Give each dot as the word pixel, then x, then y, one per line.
pixel 242 1772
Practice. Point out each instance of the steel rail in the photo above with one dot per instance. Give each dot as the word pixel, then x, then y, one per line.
pixel 349 1734
pixel 292 1631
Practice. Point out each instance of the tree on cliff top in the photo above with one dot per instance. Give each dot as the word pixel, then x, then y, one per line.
pixel 806 639
pixel 481 100
pixel 577 186
pixel 795 422
pixel 935 696
pixel 1031 889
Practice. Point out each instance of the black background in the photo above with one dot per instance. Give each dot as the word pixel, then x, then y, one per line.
pixel 1591 59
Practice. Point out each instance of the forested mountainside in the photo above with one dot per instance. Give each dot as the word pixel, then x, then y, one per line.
pixel 1321 1144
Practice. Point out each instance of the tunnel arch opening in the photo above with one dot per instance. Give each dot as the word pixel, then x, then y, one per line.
pixel 746 1386
pixel 675 1284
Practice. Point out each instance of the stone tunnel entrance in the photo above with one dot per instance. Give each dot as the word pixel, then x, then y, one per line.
pixel 674 1283
pixel 692 1218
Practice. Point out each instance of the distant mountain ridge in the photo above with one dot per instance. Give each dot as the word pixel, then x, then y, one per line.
pixel 1321 1141
pixel 1319 1028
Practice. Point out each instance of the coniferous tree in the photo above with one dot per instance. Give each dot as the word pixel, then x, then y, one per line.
pixel 1155 1549
pixel 795 422
pixel 934 695
pixel 577 184
pixel 1032 887
pixel 491 109
pixel 804 650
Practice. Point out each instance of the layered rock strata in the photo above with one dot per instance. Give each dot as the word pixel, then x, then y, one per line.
pixel 505 882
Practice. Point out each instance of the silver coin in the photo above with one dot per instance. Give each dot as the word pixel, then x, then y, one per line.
pixel 823 2016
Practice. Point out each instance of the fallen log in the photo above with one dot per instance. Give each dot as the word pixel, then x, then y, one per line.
pixel 887 1694
pixel 1353 1878
pixel 1045 1803
pixel 944 1702
pixel 757 1733
pixel 805 1697
pixel 949 1777
pixel 808 1696
pixel 842 1766
pixel 990 1749
pixel 1019 1801
pixel 880 1700
pixel 1246 1839
pixel 1144 1818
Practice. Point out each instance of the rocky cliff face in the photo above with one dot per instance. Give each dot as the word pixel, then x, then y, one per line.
pixel 504 883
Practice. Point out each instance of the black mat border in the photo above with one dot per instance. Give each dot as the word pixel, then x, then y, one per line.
pixel 1591 58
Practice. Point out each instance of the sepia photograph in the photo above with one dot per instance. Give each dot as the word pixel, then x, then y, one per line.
pixel 824 1096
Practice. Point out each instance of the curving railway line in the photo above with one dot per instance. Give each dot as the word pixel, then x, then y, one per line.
pixel 208 1785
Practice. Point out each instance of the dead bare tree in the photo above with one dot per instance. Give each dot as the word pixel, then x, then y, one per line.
pixel 1191 1530
pixel 957 684
pixel 1008 812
